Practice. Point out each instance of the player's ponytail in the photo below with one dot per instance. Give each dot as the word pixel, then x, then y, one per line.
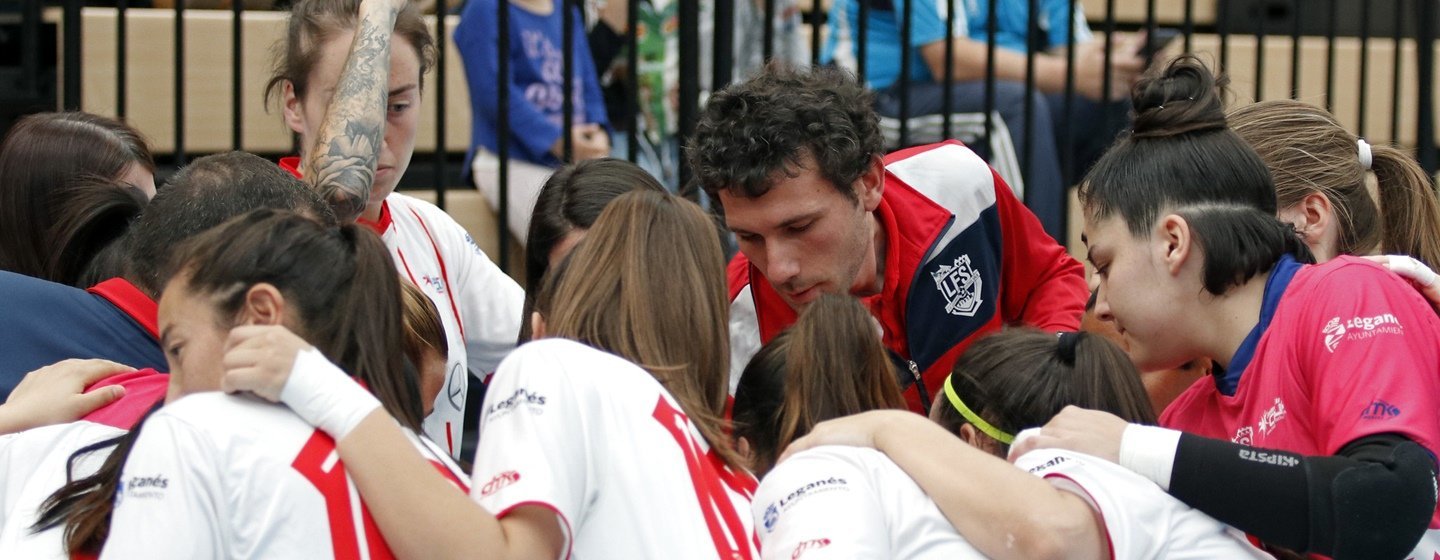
pixel 829 364
pixel 1408 205
pixel 340 281
pixel 1020 378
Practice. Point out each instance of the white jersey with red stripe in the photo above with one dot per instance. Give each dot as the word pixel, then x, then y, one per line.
pixel 33 465
pixel 600 442
pixel 220 476
pixel 479 304
pixel 850 502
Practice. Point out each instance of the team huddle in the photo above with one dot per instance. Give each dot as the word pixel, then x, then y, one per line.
pixel 899 362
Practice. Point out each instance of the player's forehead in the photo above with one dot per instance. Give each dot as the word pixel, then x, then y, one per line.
pixel 802 195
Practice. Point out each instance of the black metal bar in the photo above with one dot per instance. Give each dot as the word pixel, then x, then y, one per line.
pixel 1260 50
pixel 1399 66
pixel 1222 29
pixel 1032 25
pixel 442 38
pixel 906 32
pixel 722 72
pixel 1330 55
pixel 567 83
pixel 121 53
pixel 632 83
pixel 30 23
pixel 502 128
pixel 1149 18
pixel 237 74
pixel 861 41
pixel 768 49
pixel 1295 37
pixel 1188 26
pixel 179 82
pixel 1426 151
pixel 1109 52
pixel 1067 152
pixel 947 104
pixel 991 28
pixel 817 28
pixel 1363 83
pixel 689 84
pixel 72 54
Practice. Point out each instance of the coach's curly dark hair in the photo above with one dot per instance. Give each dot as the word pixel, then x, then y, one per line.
pixel 751 130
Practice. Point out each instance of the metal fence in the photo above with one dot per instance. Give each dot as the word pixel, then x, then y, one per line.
pixel 1336 53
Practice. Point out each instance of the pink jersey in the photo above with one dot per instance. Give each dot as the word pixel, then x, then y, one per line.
pixel 1345 350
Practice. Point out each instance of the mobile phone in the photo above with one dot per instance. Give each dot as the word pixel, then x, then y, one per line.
pixel 1157 40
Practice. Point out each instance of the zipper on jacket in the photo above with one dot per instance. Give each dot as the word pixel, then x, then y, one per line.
pixel 919 385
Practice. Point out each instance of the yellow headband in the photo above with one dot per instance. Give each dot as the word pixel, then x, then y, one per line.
pixel 974 419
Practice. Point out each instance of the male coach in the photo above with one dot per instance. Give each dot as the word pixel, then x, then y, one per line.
pixel 930 238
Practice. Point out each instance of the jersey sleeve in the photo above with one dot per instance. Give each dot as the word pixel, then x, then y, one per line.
pixel 534 448
pixel 490 302
pixel 818 506
pixel 1044 286
pixel 1369 356
pixel 169 502
pixel 928 25
pixel 1132 513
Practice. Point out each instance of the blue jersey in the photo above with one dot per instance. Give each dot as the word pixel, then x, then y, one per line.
pixel 42 322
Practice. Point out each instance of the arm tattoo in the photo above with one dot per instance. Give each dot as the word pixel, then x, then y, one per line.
pixel 341 164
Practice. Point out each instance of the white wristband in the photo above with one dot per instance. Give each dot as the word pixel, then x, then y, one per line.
pixel 1149 451
pixel 324 396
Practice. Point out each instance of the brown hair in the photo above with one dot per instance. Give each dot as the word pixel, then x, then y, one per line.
pixel 45 160
pixel 423 329
pixel 313 22
pixel 342 286
pixel 572 199
pixel 1308 152
pixel 648 285
pixel 1020 378
pixel 829 364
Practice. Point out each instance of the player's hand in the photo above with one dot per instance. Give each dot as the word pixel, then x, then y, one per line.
pixel 1077 429
pixel 258 359
pixel 859 430
pixel 1416 272
pixel 55 394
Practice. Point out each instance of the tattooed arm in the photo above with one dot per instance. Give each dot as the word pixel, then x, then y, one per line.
pixel 341 164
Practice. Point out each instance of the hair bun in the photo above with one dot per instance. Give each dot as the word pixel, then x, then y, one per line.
pixel 1183 98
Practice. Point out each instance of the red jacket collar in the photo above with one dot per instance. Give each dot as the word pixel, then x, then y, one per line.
pixel 124 295
pixel 291 164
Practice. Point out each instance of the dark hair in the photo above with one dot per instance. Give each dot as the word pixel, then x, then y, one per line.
pixel 422 326
pixel 1020 378
pixel 211 190
pixel 95 216
pixel 313 22
pixel 755 129
pixel 1239 242
pixel 829 364
pixel 346 296
pixel 572 199
pixel 44 160
pixel 1179 152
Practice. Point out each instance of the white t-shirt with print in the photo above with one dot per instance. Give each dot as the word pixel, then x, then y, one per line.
pixel 220 476
pixel 600 442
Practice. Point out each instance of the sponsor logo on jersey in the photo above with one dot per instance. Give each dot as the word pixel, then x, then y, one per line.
pixel 811 489
pixel 1379 410
pixel 809 545
pixel 1359 328
pixel 1047 465
pixel 1268 458
pixel 1268 421
pixel 144 487
pixel 433 282
pixel 499 482
pixel 535 402
pixel 960 284
pixel 772 514
pixel 473 246
pixel 455 386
